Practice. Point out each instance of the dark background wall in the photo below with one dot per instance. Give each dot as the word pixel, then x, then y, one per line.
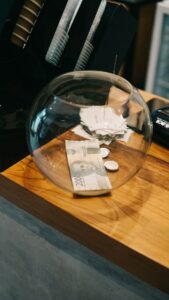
pixel 4 10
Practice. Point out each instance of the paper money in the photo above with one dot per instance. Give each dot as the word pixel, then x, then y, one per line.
pixel 78 130
pixel 103 122
pixel 86 166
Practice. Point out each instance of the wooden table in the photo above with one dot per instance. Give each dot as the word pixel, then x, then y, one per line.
pixel 130 227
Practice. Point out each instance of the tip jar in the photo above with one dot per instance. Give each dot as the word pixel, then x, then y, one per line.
pixel 89 131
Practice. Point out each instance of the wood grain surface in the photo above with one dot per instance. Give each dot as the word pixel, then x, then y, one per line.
pixel 130 227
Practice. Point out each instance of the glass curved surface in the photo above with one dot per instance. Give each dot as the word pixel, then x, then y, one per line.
pixel 84 106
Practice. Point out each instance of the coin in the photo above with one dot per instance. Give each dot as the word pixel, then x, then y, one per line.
pixel 111 165
pixel 104 152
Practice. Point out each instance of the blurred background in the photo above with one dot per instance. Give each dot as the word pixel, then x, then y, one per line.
pixel 140 35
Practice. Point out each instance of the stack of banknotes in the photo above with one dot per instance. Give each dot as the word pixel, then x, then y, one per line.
pixel 102 123
pixel 86 167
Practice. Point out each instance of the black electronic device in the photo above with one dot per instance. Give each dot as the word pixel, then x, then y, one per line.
pixel 160 119
pixel 159 111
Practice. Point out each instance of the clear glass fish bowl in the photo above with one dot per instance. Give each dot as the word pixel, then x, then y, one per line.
pixel 89 132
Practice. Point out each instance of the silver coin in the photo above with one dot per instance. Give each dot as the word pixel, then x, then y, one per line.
pixel 111 165
pixel 104 152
